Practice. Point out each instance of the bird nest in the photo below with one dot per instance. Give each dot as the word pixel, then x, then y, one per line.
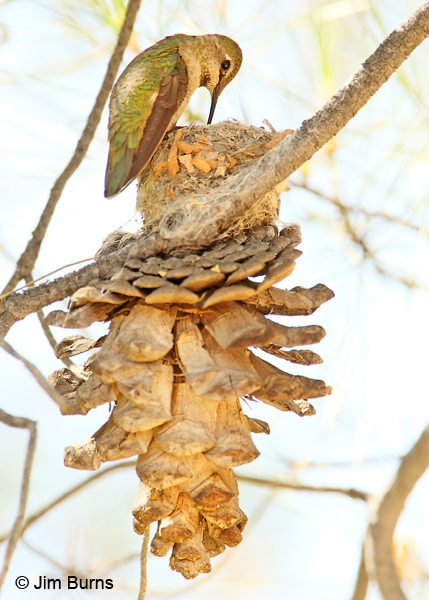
pixel 200 157
pixel 178 364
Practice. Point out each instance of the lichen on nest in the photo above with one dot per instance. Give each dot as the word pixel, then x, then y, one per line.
pixel 200 157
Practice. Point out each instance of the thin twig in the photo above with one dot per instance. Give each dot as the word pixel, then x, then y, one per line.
pixel 48 558
pixel 45 327
pixel 344 208
pixel 16 530
pixel 40 513
pixel 56 397
pixel 257 481
pixel 351 493
pixel 17 306
pixel 143 564
pixel 28 258
pixel 211 213
pixel 117 563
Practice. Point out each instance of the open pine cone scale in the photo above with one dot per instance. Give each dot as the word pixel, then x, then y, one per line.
pixel 175 363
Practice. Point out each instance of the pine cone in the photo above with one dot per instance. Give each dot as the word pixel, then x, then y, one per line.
pixel 175 364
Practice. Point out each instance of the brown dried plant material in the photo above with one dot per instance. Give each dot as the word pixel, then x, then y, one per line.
pixel 113 443
pixel 83 296
pixel 300 357
pixel 84 316
pixel 192 429
pixel 93 392
pixel 159 469
pixel 182 523
pixel 172 162
pixel 215 151
pixel 170 294
pixel 213 373
pixel 212 493
pixel 231 162
pixel 278 138
pixel 258 426
pixel 153 504
pixel 298 301
pixel 75 344
pixel 134 417
pixel 159 546
pixel 228 294
pixel 280 389
pixel 82 456
pixel 234 445
pixel 124 288
pixel 175 364
pixel 201 164
pixel 234 326
pixel 145 335
pixel 186 161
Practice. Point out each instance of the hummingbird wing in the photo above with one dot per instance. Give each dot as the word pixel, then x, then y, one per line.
pixel 140 117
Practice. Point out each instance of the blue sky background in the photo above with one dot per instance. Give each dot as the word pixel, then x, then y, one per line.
pixel 297 544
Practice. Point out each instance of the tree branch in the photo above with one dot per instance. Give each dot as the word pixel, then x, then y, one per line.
pixel 42 512
pixel 46 329
pixel 18 305
pixel 384 515
pixel 56 397
pixel 28 258
pixel 361 585
pixel 208 214
pixel 351 493
pixel 143 564
pixel 16 530
pixel 346 209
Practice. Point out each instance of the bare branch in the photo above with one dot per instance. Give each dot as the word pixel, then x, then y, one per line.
pixel 16 530
pixel 212 213
pixel 143 564
pixel 18 305
pixel 28 258
pixel 207 215
pixel 42 512
pixel 384 514
pixel 45 327
pixel 361 585
pixel 352 493
pixel 345 209
pixel 44 555
pixel 56 397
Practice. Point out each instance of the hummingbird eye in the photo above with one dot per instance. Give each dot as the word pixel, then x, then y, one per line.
pixel 225 65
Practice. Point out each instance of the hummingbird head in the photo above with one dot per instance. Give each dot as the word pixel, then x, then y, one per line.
pixel 219 65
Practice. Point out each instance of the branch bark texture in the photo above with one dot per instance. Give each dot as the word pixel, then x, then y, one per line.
pixel 209 214
pixel 16 530
pixel 17 306
pixel 28 258
pixel 272 483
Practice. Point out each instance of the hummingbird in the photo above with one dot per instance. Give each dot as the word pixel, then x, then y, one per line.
pixel 152 93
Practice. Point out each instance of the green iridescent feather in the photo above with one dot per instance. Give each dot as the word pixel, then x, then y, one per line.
pixel 131 105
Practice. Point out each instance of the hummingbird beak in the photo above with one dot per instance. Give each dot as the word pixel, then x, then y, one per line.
pixel 215 96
